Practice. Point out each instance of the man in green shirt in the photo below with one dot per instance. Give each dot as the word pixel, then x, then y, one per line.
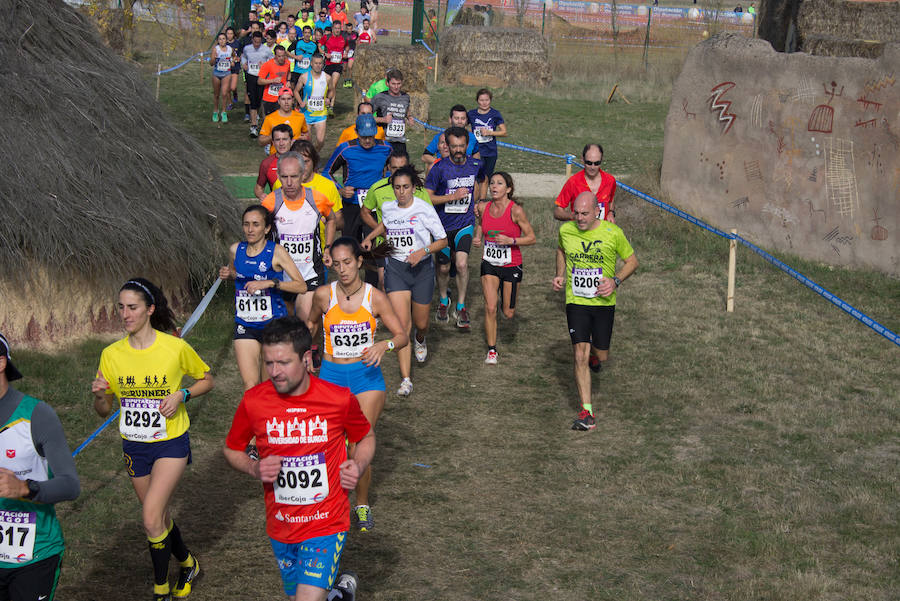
pixel 586 269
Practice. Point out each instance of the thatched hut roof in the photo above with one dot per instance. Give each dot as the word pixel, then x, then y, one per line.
pixel 494 56
pixel 98 185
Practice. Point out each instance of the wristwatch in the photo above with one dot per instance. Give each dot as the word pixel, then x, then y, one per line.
pixel 617 281
pixel 33 488
pixel 276 285
pixel 187 395
pixel 390 346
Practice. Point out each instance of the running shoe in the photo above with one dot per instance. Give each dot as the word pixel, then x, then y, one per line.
pixel 363 518
pixel 215 117
pixel 462 319
pixel 246 118
pixel 229 106
pixel 348 83
pixel 185 577
pixel 224 117
pixel 254 131
pixel 345 585
pixel 421 350
pixel 405 387
pixel 166 597
pixel 585 421
pixel 594 364
pixel 441 316
pixel 492 357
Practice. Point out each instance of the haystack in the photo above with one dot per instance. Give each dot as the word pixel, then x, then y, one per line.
pixel 373 61
pixel 98 185
pixel 494 56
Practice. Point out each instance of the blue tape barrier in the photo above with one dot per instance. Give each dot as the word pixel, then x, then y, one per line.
pixel 427 47
pixel 827 295
pixel 198 56
pixel 188 326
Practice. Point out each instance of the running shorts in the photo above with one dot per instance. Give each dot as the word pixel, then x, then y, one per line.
pixel 314 562
pixel 358 377
pixel 591 323
pixel 140 456
pixel 36 580
pixel 457 241
pixel 400 275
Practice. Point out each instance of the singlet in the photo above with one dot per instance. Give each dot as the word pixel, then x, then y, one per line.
pixel 590 255
pixel 29 531
pixel 309 433
pixel 500 255
pixel 256 310
pixel 141 378
pixel 347 335
pixel 223 60
pixel 298 233
pixel 314 93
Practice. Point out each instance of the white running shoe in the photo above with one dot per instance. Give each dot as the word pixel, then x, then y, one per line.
pixel 492 357
pixel 405 387
pixel 421 350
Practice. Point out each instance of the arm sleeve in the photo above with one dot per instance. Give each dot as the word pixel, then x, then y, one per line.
pixel 498 118
pixel 240 432
pixel 191 362
pixel 565 195
pixel 50 441
pixel 356 424
pixel 335 162
pixel 431 180
pixel 266 129
pixel 434 225
pixel 261 179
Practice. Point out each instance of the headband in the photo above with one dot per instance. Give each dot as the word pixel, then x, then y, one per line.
pixel 142 287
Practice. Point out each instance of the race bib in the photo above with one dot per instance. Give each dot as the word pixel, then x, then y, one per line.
pixel 253 308
pixel 274 88
pixel 458 206
pixel 361 194
pixel 497 254
pixel 223 64
pixel 349 340
pixel 335 57
pixel 396 128
pixel 140 420
pixel 303 63
pixel 315 105
pixel 302 480
pixel 253 68
pixel 585 281
pixel 299 246
pixel 402 239
pixel 482 139
pixel 18 530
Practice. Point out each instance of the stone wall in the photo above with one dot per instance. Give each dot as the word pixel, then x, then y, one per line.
pixel 800 153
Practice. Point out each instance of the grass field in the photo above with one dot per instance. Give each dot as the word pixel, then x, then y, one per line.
pixel 751 455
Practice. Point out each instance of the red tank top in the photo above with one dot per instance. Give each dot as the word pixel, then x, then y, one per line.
pixel 499 254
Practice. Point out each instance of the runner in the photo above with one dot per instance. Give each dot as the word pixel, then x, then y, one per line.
pixel 590 179
pixel 320 183
pixel 243 43
pixel 273 76
pixel 414 229
pixel 323 22
pixel 451 185
pixel 362 162
pixel 586 268
pixel 392 110
pixel 306 20
pixel 360 16
pixel 505 228
pixel 222 59
pixel 144 371
pixel 314 96
pixel 335 52
pixel 377 88
pixel 487 124
pixel 236 48
pixel 36 472
pixel 255 302
pixel 268 168
pixel 349 133
pixel 366 33
pixel 301 424
pixel 252 59
pixel 346 312
pixel 285 115
pixel 297 211
pixel 339 15
pixel 301 52
pixel 458 118
pixel 350 36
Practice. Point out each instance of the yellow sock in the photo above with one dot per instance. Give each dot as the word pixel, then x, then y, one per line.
pixel 187 562
pixel 161 589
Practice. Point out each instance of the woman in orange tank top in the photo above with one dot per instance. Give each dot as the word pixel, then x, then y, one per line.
pixel 346 311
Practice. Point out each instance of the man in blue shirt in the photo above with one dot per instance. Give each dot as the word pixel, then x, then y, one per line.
pixel 458 118
pixel 451 184
pixel 323 22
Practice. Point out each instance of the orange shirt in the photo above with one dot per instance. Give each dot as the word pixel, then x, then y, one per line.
pixel 296 120
pixel 339 16
pixel 270 70
pixel 349 133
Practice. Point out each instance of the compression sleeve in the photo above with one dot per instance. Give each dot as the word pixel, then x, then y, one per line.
pixel 50 442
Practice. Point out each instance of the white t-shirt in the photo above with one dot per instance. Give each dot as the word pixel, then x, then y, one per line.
pixel 411 228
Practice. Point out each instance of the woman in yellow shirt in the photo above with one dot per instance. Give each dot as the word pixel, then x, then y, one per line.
pixel 143 371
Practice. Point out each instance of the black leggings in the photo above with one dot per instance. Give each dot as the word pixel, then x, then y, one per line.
pixel 254 92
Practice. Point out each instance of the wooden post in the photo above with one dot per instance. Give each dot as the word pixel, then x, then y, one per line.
pixel 435 65
pixel 158 69
pixel 568 169
pixel 732 263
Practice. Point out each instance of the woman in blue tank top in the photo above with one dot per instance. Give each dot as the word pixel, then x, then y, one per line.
pixel 257 267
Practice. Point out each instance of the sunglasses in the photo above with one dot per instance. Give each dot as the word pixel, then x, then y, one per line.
pixel 593 163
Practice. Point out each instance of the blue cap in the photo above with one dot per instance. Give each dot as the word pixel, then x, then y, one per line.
pixel 365 125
